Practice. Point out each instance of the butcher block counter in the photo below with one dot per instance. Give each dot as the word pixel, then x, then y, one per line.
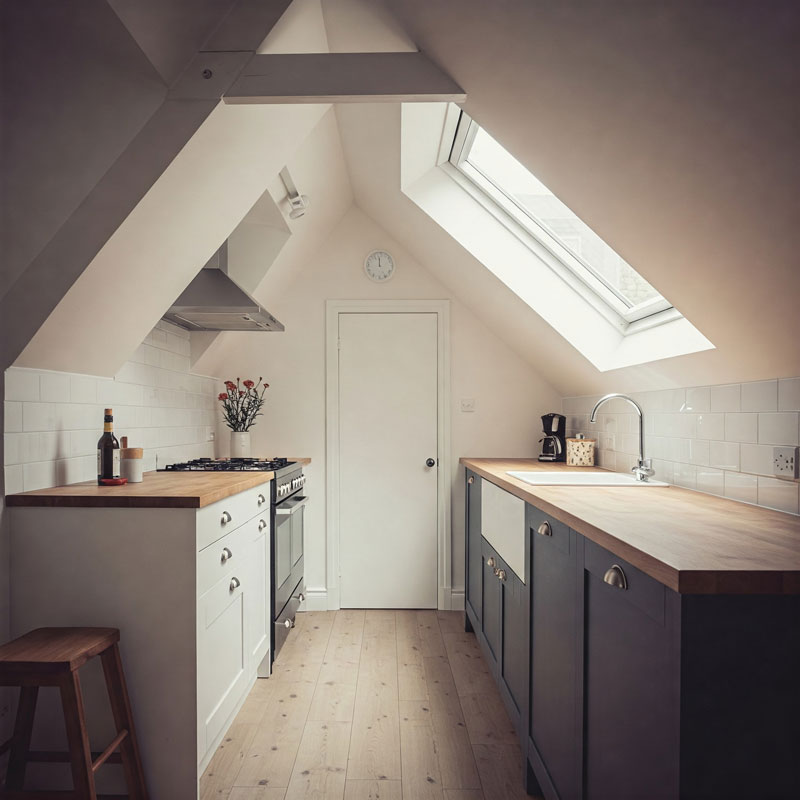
pixel 691 542
pixel 157 490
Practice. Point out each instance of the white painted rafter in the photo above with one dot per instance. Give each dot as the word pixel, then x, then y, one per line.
pixel 343 78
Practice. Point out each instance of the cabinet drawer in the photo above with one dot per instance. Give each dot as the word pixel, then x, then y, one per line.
pixel 546 530
pixel 214 521
pixel 503 525
pixel 644 592
pixel 228 555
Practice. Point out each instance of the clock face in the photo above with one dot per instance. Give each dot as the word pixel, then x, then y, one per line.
pixel 379 266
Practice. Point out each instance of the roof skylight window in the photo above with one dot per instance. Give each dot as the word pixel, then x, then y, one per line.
pixel 541 215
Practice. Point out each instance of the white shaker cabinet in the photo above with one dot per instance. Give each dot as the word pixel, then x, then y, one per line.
pixel 189 590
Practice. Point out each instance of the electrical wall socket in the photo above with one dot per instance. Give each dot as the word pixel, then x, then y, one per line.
pixel 785 461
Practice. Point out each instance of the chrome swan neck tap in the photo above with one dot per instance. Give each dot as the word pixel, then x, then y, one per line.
pixel 643 469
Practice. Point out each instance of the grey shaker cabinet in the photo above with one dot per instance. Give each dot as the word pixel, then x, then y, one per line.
pixel 554 729
pixel 474 563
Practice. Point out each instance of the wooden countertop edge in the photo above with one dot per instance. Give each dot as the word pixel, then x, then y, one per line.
pixel 681 581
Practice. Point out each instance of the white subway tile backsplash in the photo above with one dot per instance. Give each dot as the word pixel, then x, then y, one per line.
pixel 686 475
pixel 717 439
pixel 741 427
pixel 739 486
pixel 38 416
pixel 53 420
pixel 710 426
pixel 22 384
pixel 789 394
pixel 778 428
pixel 82 389
pixel 726 398
pixel 760 396
pixel 698 400
pixel 710 480
pixel 54 387
pixel 13 417
pixel 756 459
pixel 779 494
pixel 14 479
pixel 724 455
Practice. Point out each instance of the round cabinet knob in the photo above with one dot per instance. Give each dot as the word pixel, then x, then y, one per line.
pixel 226 518
pixel 288 624
pixel 226 554
pixel 261 499
pixel 490 562
pixel 544 529
pixel 616 577
pixel 262 523
pixel 501 574
pixel 235 584
pixel 430 462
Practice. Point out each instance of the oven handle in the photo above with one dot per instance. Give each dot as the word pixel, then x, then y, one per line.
pixel 290 506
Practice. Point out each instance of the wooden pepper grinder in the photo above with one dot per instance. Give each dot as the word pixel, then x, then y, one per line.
pixel 131 461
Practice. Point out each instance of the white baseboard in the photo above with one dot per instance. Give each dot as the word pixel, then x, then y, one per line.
pixel 457 600
pixel 316 600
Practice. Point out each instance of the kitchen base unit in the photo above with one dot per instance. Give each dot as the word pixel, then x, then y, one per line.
pixel 189 590
pixel 637 689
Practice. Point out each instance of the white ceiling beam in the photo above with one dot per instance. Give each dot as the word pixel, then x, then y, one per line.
pixel 343 78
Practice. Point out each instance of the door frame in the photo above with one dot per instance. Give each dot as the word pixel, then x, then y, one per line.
pixel 333 308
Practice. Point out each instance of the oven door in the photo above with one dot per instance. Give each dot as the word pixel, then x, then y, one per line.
pixel 288 549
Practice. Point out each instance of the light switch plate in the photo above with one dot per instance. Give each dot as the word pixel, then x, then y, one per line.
pixel 785 461
pixel 467 403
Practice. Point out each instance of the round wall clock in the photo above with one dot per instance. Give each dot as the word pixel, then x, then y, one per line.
pixel 379 266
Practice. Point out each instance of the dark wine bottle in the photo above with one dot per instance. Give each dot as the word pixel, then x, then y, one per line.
pixel 108 450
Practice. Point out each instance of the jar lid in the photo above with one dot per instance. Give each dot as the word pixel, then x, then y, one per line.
pixel 131 452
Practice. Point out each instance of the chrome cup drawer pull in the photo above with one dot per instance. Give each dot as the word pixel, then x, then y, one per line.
pixel 235 584
pixel 470 480
pixel 226 518
pixel 490 562
pixel 616 577
pixel 501 574
pixel 544 529
pixel 262 523
pixel 261 499
pixel 226 555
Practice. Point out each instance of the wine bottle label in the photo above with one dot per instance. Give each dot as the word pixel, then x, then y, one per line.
pixel 108 427
pixel 115 462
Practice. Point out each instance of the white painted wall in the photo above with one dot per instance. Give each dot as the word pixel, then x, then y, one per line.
pixel 716 439
pixel 54 419
pixel 509 396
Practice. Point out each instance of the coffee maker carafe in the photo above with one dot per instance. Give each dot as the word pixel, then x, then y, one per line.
pixel 554 443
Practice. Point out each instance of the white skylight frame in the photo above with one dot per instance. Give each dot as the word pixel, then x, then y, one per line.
pixel 570 266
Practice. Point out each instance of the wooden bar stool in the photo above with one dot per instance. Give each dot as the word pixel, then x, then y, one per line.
pixel 52 657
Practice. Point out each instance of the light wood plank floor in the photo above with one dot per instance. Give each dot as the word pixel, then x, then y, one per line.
pixel 371 705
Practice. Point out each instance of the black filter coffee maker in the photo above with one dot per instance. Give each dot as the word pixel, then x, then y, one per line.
pixel 554 443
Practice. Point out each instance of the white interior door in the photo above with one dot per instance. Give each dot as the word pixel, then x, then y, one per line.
pixel 388 383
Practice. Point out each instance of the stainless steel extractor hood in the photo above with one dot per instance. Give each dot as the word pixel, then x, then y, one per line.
pixel 213 302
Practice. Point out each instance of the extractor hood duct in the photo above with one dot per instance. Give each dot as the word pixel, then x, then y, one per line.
pixel 213 302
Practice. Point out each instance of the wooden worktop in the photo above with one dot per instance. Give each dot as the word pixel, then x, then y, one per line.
pixel 157 490
pixel 694 543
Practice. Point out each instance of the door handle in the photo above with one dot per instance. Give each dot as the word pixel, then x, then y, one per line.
pixel 431 462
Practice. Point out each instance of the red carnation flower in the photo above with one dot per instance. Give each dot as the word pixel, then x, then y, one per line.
pixel 266 386
pixel 230 384
pixel 249 384
pixel 241 393
pixel 222 396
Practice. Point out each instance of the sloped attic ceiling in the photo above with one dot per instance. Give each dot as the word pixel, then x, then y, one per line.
pixel 670 129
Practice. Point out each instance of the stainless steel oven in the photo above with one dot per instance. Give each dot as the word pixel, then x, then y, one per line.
pixel 288 584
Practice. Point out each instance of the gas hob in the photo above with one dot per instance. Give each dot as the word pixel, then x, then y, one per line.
pixel 230 465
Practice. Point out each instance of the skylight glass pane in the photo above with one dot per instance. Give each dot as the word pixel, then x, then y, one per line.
pixel 515 181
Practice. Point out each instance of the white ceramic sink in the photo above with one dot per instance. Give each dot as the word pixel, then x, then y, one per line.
pixel 543 478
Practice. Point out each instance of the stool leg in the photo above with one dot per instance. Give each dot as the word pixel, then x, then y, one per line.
pixel 77 737
pixel 121 709
pixel 21 739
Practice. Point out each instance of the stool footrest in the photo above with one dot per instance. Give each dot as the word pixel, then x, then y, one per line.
pixel 109 751
pixel 59 757
pixel 9 794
